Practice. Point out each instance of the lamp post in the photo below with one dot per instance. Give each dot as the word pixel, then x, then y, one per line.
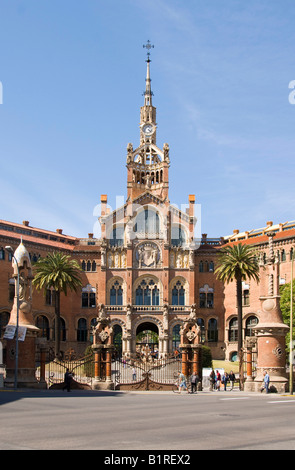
pixel 9 249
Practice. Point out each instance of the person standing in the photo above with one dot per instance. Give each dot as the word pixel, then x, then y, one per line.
pixel 266 382
pixel 212 380
pixel 194 382
pixel 225 379
pixel 68 380
pixel 232 379
pixel 133 374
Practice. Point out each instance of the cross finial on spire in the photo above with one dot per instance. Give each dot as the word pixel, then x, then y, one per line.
pixel 148 46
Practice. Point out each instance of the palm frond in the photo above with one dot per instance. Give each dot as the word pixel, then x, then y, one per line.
pixel 57 271
pixel 237 261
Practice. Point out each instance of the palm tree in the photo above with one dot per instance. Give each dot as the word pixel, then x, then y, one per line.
pixel 58 272
pixel 238 262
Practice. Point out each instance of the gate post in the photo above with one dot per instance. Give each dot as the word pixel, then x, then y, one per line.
pixel 42 365
pixel 103 345
pixel 97 363
pixel 184 362
pixel 191 345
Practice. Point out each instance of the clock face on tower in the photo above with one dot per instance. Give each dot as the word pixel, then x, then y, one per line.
pixel 148 129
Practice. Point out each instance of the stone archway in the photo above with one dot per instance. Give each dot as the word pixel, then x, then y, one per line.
pixel 148 323
pixel 147 338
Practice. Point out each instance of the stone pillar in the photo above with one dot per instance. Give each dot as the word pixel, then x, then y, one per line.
pixel 21 315
pixel 103 349
pixel 41 343
pixel 191 346
pixel 249 384
pixel 26 376
pixel 184 363
pixel 271 330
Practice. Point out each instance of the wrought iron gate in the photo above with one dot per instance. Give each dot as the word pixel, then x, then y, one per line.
pixel 82 370
pixel 158 374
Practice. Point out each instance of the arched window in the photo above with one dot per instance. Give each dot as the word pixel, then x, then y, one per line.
pixel 233 330
pixel 82 330
pixel 147 223
pixel 178 294
pixel 212 330
pixel 176 337
pixel 201 324
pixel 201 267
pixel 147 293
pixel 93 266
pixel 117 335
pixel 4 319
pixel 11 289
pixel 246 298
pixel 83 266
pixel 43 324
pixel 63 331
pixel 206 297
pixel 250 323
pixel 88 266
pixel 117 236
pixel 88 296
pixel 2 253
pixel 116 294
pixel 177 236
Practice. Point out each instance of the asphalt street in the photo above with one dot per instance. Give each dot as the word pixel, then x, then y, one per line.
pixel 84 420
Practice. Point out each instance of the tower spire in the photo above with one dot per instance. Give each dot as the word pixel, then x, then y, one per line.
pixel 148 165
pixel 148 91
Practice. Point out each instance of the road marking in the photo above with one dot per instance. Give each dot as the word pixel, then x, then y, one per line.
pixel 282 401
pixel 236 398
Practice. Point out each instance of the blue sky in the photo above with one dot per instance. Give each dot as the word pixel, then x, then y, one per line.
pixel 73 74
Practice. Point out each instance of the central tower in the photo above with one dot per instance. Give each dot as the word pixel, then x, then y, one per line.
pixel 148 165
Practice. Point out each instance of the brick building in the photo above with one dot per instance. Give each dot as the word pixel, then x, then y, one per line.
pixel 147 270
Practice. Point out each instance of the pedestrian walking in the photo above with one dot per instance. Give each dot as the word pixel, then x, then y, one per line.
pixel 232 379
pixel 194 382
pixel 68 380
pixel 218 381
pixel 265 382
pixel 182 382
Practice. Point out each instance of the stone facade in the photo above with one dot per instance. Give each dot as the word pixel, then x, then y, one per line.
pixel 147 271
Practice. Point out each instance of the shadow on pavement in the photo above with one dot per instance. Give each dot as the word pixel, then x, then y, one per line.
pixel 10 395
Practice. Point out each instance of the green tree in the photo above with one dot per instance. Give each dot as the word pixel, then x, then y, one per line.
pixel 60 273
pixel 285 303
pixel 238 263
pixel 206 356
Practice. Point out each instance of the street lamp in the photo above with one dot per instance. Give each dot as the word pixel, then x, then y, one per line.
pixel 9 249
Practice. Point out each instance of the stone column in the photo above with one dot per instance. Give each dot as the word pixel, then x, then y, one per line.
pixel 271 330
pixel 103 348
pixel 21 315
pixel 249 384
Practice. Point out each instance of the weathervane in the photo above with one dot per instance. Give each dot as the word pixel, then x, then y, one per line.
pixel 148 46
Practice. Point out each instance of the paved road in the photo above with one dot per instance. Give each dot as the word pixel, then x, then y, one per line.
pixel 145 420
